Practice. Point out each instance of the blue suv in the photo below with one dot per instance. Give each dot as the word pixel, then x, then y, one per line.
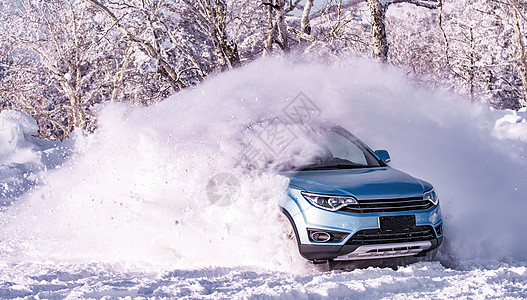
pixel 350 205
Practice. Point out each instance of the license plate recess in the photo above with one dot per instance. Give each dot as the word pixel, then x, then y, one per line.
pixel 391 223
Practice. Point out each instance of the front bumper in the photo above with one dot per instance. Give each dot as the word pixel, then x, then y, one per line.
pixel 360 252
pixel 305 216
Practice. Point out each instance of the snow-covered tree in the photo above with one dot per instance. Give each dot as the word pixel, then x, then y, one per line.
pixel 378 10
pixel 58 58
pixel 341 26
pixel 54 62
pixel 482 51
pixel 247 25
pixel 277 24
pixel 211 15
pixel 144 23
pixel 517 10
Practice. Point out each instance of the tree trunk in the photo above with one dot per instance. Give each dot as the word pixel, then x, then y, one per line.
pixel 221 58
pixel 216 15
pixel 304 21
pixel 472 63
pixel 78 117
pixel 521 49
pixel 228 46
pixel 280 25
pixel 276 30
pixel 271 31
pixel 378 31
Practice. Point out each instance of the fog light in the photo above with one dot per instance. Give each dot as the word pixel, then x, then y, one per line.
pixel 325 236
pixel 439 229
pixel 320 236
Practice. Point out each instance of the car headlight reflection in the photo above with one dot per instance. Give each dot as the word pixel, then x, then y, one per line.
pixel 329 202
pixel 431 196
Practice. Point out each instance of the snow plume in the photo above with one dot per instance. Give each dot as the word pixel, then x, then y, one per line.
pixel 142 188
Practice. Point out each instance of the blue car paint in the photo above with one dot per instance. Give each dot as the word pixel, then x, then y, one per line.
pixel 364 183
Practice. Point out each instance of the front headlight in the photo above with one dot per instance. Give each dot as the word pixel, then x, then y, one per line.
pixel 329 202
pixel 431 196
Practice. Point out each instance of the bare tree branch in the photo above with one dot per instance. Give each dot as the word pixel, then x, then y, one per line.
pixel 432 4
pixel 171 73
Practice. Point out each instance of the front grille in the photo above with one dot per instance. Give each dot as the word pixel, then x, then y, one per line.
pixel 388 205
pixel 377 236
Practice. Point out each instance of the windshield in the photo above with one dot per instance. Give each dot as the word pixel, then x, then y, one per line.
pixel 341 150
pixel 282 147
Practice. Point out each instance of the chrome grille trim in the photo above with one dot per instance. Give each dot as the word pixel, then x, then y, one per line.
pixel 388 205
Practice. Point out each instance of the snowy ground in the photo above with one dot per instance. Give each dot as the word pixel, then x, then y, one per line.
pixel 428 280
pixel 125 211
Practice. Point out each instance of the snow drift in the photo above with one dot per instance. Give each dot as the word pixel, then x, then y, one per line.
pixel 136 191
pixel 22 156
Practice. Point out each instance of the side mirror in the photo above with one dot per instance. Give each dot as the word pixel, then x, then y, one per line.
pixel 383 155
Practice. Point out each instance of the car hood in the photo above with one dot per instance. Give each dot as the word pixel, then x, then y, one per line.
pixel 364 183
